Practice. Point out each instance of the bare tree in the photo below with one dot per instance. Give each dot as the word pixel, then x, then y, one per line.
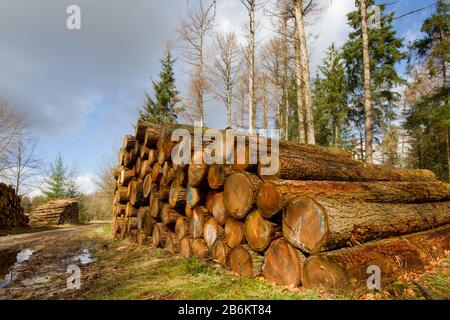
pixel 193 32
pixel 11 126
pixel 367 85
pixel 305 72
pixel 250 5
pixel 24 165
pixel 226 61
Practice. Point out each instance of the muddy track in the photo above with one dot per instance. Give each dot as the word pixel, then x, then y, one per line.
pixel 44 273
pixel 25 239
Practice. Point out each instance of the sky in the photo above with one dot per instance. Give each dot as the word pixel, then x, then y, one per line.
pixel 80 89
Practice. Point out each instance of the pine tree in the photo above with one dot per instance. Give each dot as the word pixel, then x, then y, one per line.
pixel 330 100
pixel 55 182
pixel 385 52
pixel 163 109
pixel 427 95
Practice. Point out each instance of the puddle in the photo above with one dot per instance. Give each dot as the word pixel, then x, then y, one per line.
pixel 84 257
pixel 10 262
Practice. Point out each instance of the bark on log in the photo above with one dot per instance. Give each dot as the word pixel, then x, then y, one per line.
pixel 129 143
pixel 234 232
pixel 327 223
pixel 131 211
pixel 274 195
pixel 164 192
pixel 218 209
pixel 126 176
pixel 240 193
pixel 293 165
pixel 147 133
pixel 283 264
pixel 121 196
pixel 345 268
pixel 259 232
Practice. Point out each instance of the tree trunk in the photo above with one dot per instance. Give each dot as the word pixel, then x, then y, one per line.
pixel 305 72
pixel 345 268
pixel 240 193
pixel 154 205
pixel 300 102
pixel 251 80
pixel 367 85
pixel 329 223
pixel 283 264
pixel 293 165
pixel 259 232
pixel 274 195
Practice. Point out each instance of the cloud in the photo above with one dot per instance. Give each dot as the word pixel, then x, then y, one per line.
pixel 86 183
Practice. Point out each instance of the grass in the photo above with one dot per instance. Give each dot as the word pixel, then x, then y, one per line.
pixel 123 271
pixel 153 274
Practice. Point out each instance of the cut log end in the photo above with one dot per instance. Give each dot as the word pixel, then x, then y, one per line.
pixel 239 193
pixel 269 200
pixel 283 264
pixel 305 225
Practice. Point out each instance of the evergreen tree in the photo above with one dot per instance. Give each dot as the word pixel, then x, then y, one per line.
pixel 55 182
pixel 385 53
pixel 163 108
pixel 330 100
pixel 428 113
pixel 434 47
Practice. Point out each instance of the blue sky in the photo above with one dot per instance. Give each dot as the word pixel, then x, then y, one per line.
pixel 81 89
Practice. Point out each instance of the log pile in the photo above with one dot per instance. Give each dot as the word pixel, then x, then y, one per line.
pixel 11 211
pixel 59 211
pixel 321 220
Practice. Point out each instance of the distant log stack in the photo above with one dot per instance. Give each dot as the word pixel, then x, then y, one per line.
pixel 11 211
pixel 55 212
pixel 284 230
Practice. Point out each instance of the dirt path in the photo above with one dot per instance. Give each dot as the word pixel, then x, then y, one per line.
pixel 37 265
pixel 24 239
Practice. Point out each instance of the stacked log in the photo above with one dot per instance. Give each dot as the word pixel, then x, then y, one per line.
pixel 321 209
pixel 11 211
pixel 55 212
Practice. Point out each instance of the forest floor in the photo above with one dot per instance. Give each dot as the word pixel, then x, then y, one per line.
pixel 116 269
